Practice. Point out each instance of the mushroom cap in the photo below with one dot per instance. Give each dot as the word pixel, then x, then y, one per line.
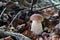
pixel 36 17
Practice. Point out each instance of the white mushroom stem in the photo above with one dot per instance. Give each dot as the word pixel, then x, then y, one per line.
pixel 36 27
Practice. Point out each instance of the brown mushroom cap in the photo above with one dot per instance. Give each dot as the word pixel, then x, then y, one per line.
pixel 36 17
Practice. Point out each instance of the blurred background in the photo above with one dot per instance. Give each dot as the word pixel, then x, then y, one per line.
pixel 30 19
